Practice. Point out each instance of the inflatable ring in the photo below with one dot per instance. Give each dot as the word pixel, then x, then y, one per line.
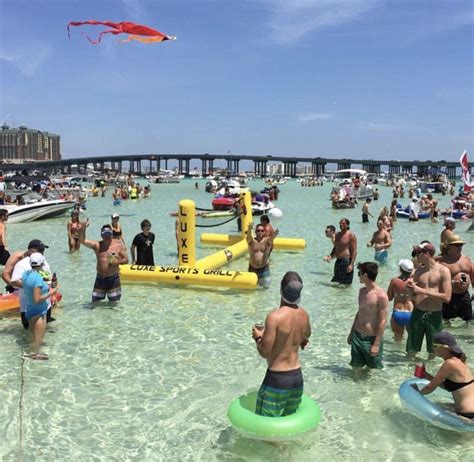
pixel 242 416
pixel 420 406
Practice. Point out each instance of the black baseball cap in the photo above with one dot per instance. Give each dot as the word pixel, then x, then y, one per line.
pixel 37 244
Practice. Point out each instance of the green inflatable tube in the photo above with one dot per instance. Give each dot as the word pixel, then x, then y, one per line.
pixel 242 416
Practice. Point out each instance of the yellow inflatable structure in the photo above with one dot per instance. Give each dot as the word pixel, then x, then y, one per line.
pixel 182 275
pixel 205 272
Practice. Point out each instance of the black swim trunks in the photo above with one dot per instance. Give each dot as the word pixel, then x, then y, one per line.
pixel 4 255
pixel 460 306
pixel 340 271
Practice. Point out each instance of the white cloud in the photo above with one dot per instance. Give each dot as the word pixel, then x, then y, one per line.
pixel 28 59
pixel 290 20
pixel 306 117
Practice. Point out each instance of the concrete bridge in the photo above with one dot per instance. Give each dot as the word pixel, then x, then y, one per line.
pixel 155 162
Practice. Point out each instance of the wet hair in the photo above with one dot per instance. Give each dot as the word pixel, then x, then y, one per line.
pixel 289 277
pixel 264 219
pixel 145 223
pixel 347 221
pixel 331 228
pixel 3 213
pixel 370 268
pixel 461 356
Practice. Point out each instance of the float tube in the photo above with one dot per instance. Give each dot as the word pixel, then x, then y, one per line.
pixel 241 414
pixel 10 302
pixel 182 275
pixel 423 408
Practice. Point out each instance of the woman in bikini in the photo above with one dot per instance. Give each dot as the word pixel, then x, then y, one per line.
pixel 454 375
pixel 73 228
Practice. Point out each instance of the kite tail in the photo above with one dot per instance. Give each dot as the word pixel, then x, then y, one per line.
pixel 99 38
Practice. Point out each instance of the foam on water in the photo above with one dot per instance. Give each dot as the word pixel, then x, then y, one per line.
pixel 152 378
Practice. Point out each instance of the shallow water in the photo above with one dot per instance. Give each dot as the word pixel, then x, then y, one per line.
pixel 152 378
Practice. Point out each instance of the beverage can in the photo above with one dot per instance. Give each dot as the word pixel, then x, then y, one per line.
pixel 419 371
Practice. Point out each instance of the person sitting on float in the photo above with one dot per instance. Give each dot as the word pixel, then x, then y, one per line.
pixel 454 375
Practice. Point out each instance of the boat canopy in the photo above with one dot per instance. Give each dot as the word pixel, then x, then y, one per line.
pixel 354 171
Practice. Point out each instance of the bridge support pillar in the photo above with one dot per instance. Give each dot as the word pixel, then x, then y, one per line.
pixel 343 165
pixel 451 171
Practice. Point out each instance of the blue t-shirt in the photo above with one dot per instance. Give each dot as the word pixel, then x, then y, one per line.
pixel 30 280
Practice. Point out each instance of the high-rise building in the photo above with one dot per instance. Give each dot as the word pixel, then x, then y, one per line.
pixel 23 144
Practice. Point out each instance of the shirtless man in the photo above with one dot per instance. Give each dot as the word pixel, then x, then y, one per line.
pixel 4 253
pixel 381 241
pixel 366 335
pixel 365 211
pixel 430 288
pixel 286 330
pixel 401 296
pixel 345 251
pixel 110 253
pixel 462 276
pixel 448 231
pixel 260 248
pixel 330 232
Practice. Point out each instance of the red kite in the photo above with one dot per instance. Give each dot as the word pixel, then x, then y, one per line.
pixel 136 31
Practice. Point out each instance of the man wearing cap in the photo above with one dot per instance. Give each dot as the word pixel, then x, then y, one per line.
pixel 401 296
pixel 366 335
pixel 430 288
pixel 286 330
pixel 448 231
pixel 345 251
pixel 13 272
pixel 110 253
pixel 462 276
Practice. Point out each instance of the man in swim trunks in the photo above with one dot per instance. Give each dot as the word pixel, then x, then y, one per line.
pixel 286 330
pixel 366 335
pixel 401 296
pixel 430 288
pixel 110 253
pixel 366 211
pixel 462 276
pixel 260 248
pixel 381 241
pixel 345 251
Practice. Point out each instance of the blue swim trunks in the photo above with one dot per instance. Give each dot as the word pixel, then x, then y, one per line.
pixel 107 286
pixel 402 318
pixel 381 256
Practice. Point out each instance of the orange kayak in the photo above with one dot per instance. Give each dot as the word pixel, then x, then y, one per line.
pixel 10 302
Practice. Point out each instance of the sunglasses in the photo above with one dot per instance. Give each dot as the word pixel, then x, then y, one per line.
pixel 260 230
pixel 147 226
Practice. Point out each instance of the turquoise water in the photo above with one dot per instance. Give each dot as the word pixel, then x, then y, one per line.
pixel 152 378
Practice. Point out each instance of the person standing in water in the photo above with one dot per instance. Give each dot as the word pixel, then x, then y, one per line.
pixel 73 227
pixel 345 251
pixel 381 241
pixel 401 296
pixel 110 253
pixel 142 246
pixel 365 211
pixel 366 335
pixel 287 329
pixel 260 248
pixel 4 253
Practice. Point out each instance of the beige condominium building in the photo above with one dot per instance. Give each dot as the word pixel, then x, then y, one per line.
pixel 23 144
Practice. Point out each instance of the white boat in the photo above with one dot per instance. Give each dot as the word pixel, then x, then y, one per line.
pixel 354 185
pixel 33 207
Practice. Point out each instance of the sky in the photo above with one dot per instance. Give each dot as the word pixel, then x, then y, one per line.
pixel 378 79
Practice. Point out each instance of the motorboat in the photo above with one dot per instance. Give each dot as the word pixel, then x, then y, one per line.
pixel 436 183
pixel 30 206
pixel 354 185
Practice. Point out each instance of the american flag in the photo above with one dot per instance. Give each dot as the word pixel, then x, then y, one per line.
pixel 466 174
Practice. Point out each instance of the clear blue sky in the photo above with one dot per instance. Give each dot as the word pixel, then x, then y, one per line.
pixel 380 79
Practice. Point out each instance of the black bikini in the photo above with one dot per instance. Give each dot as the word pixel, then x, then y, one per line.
pixel 449 385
